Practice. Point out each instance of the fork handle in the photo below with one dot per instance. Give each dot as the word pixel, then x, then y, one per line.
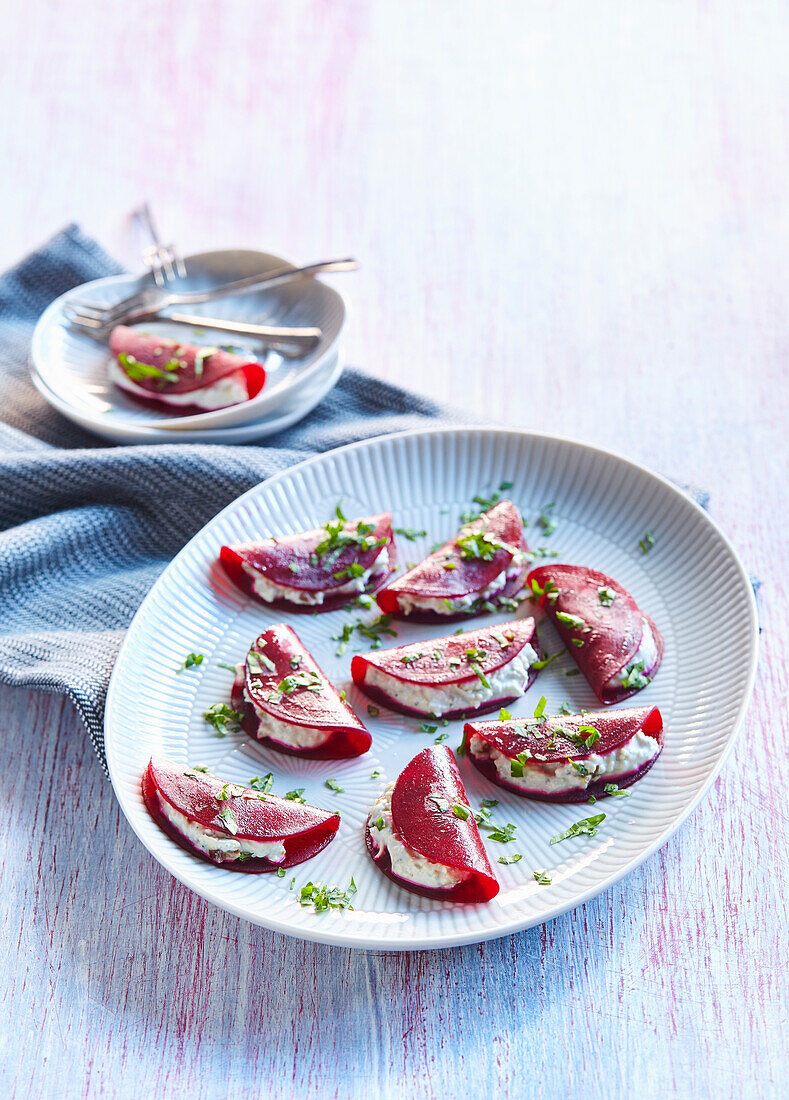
pixel 253 282
pixel 306 337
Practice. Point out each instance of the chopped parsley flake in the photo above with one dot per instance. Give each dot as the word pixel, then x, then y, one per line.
pixel 635 676
pixel 375 774
pixel 606 595
pixel 441 803
pixel 461 811
pixel 191 661
pixel 409 533
pixel 333 785
pixel 504 715
pixel 613 789
pixel 502 834
pixel 296 796
pixel 441 738
pixel 546 520
pixel 545 661
pixel 224 664
pixel 294 567
pixel 228 819
pixel 586 827
pixel 541 877
pixel 575 622
pixel 200 768
pixel 262 783
pixel 223 718
pixel 322 897
pixel 539 710
pixel 507 860
pixel 647 542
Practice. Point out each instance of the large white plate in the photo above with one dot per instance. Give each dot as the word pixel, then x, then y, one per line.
pixel 692 583
pixel 73 367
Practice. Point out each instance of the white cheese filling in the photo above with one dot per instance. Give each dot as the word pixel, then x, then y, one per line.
pixel 269 590
pixel 406 863
pixel 646 652
pixel 451 605
pixel 220 394
pixel 550 777
pixel 301 737
pixel 507 682
pixel 220 844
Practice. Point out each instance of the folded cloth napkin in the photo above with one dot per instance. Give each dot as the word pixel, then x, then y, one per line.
pixel 85 529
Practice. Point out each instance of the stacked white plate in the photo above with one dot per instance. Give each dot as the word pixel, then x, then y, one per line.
pixel 70 369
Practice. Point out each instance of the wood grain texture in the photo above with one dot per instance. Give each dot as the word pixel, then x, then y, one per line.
pixel 571 217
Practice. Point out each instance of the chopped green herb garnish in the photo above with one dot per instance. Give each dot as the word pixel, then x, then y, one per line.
pixel 343 638
pixel 505 485
pixel 539 710
pixel 575 622
pixel 355 569
pixel 647 542
pixel 372 711
pixel 502 834
pixel 380 824
pixel 333 785
pixel 191 661
pixel 294 567
pixel 424 727
pixel 375 774
pixel 546 520
pixel 322 897
pixel 541 877
pixel 296 796
pixel 565 708
pixel 586 827
pixel 409 533
pixel 138 371
pixel 223 718
pixel 224 664
pixel 262 783
pixel 613 789
pixel 606 595
pixel 461 811
pixel 545 661
pixel 635 676
pixel 507 860
pixel 258 662
pixel 441 738
pixel 441 803
pixel 504 715
pixel 281 872
pixel 200 768
pixel 228 819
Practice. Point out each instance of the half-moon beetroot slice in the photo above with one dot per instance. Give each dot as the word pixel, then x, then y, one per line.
pixel 616 646
pixel 288 703
pixel 567 758
pixel 234 827
pixel 484 565
pixel 181 378
pixel 421 833
pixel 457 676
pixel 318 570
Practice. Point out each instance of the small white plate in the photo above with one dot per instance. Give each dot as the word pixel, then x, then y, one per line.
pixel 301 404
pixel 692 583
pixel 74 368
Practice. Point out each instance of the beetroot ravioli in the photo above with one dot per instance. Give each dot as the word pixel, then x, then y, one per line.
pixel 287 702
pixel 481 569
pixel 422 834
pixel 317 570
pixel 236 827
pixel 568 758
pixel 456 677
pixel 181 378
pixel 616 646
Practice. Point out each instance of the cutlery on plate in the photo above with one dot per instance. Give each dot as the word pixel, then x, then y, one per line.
pixel 98 321
pixel 164 260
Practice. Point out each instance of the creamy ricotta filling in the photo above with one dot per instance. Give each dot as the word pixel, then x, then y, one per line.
pixel 506 682
pixel 646 652
pixel 301 737
pixel 269 590
pixel 406 863
pixel 550 777
pixel 226 391
pixel 219 844
pixel 450 606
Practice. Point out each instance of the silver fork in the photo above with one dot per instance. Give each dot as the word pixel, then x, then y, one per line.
pixel 149 302
pixel 164 260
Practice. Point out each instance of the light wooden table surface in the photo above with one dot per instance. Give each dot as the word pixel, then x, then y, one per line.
pixel 571 216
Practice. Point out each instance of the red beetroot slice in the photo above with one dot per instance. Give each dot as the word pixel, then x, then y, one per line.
pixel 196 370
pixel 303 829
pixel 615 629
pixel 435 577
pixel 283 692
pixel 443 661
pixel 551 741
pixel 440 836
pixel 273 558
